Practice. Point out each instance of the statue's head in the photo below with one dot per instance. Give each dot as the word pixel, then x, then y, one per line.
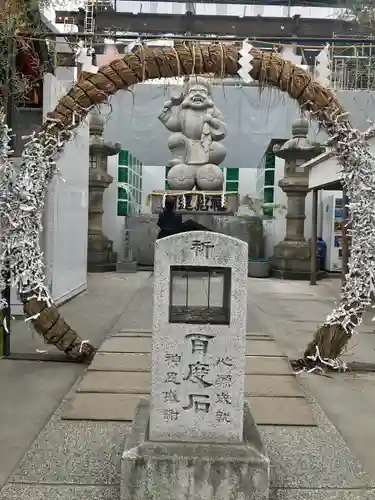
pixel 198 94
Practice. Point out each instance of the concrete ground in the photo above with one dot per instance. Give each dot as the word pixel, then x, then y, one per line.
pixel 292 311
pixel 80 460
pixel 30 391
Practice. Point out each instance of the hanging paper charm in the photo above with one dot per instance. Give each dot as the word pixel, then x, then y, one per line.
pixel 323 67
pixel 245 61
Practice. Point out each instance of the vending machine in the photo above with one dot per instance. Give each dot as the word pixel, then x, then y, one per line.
pixel 332 221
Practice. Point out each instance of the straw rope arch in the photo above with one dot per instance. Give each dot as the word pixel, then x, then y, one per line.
pixel 188 58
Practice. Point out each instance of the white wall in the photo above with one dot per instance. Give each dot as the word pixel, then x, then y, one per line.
pixel 247 181
pixel 66 219
pixel 153 180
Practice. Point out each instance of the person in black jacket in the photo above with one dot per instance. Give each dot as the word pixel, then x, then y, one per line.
pixel 171 223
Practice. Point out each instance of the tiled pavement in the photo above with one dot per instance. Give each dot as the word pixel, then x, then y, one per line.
pixel 79 459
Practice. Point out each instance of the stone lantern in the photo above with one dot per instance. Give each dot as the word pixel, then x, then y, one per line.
pixel 100 255
pixel 292 257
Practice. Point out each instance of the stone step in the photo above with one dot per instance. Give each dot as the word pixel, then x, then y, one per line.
pixel 123 362
pixel 254 347
pixel 135 362
pixel 131 333
pixel 140 383
pixel 127 344
pixel 122 407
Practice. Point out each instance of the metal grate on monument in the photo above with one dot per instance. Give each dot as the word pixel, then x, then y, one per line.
pixel 200 295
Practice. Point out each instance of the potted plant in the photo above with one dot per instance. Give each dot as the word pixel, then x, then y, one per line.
pixel 261 267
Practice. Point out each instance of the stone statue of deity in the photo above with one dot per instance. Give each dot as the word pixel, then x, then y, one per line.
pixel 198 127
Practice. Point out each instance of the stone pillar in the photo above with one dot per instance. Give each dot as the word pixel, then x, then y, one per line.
pixel 100 255
pixel 292 257
pixel 196 438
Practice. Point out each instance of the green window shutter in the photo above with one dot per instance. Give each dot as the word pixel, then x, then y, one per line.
pixel 268 195
pixel 231 186
pixel 269 178
pixel 232 174
pixel 122 194
pixel 268 212
pixel 270 160
pixel 122 175
pixel 123 158
pixel 122 208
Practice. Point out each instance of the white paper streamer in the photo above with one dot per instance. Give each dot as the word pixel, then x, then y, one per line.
pixel 323 67
pixel 222 199
pixel 21 208
pixel 359 180
pixel 358 164
pixel 245 61
pixel 334 364
pixel 7 190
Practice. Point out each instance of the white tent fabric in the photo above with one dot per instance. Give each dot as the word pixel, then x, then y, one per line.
pixel 253 119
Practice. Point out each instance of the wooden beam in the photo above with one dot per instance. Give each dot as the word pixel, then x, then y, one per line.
pixel 250 26
pixel 293 3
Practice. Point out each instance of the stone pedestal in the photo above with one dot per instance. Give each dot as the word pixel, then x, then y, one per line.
pixel 203 400
pixel 100 254
pixel 199 471
pixel 143 231
pixel 197 439
pixel 292 257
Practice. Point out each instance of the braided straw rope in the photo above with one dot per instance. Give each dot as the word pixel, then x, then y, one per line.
pixel 219 59
pixel 183 59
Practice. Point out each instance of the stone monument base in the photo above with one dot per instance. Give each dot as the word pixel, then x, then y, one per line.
pixel 291 260
pixel 143 231
pixel 177 471
pixel 299 276
pixel 127 266
pixel 101 261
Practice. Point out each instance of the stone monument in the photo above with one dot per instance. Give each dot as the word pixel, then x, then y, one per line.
pixel 196 439
pixel 198 127
pixel 100 254
pixel 292 257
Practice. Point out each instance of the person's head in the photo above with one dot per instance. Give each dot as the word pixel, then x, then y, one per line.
pixel 170 203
